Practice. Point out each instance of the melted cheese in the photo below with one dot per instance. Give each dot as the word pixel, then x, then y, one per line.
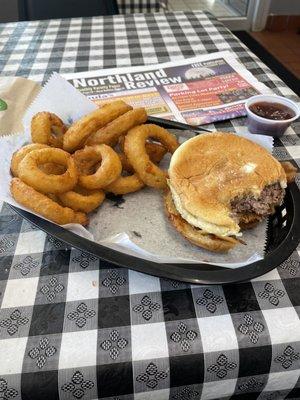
pixel 198 222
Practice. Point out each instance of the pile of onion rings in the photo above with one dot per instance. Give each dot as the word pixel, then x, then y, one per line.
pixel 67 170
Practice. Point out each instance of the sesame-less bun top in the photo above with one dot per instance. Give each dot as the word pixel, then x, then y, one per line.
pixel 209 170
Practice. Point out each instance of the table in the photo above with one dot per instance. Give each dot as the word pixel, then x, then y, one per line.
pixel 140 6
pixel 75 327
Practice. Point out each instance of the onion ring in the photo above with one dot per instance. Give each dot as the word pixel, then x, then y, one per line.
pixel 43 205
pixel 48 168
pixel 155 151
pixel 134 148
pixel 107 172
pixel 21 153
pixel 30 173
pixel 125 184
pixel 47 128
pixel 80 199
pixel 132 183
pixel 77 134
pixel 110 133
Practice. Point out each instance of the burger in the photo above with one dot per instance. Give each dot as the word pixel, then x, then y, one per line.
pixel 220 184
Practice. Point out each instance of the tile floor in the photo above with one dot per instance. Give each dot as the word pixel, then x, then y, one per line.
pixel 217 7
pixel 285 46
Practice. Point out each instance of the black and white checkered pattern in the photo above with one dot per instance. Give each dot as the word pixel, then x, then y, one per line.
pixel 140 6
pixel 75 327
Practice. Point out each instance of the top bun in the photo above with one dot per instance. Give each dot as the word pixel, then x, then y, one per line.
pixel 209 170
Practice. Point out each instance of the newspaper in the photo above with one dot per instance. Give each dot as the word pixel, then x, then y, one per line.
pixel 196 91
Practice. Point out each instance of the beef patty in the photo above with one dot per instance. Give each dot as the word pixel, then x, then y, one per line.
pixel 270 197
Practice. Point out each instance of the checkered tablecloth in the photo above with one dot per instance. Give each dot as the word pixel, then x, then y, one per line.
pixel 75 327
pixel 141 6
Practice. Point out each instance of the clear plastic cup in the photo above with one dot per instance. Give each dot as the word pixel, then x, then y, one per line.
pixel 270 127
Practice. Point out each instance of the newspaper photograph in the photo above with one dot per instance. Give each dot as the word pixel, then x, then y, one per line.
pixel 196 91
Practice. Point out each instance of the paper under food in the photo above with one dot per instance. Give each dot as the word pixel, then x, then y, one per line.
pixel 137 224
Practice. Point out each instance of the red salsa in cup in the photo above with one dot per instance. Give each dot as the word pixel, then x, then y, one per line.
pixel 274 111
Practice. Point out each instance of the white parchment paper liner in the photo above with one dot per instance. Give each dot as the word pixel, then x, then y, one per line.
pixel 138 226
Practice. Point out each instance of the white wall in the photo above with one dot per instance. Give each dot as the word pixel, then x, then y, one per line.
pixel 8 10
pixel 285 7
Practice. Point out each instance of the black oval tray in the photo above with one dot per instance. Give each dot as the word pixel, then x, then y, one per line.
pixel 283 236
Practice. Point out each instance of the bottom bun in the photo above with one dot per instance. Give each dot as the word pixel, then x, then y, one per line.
pixel 195 235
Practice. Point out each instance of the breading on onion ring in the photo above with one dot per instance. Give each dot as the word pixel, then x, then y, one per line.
pixel 125 184
pixel 21 153
pixel 47 128
pixel 134 148
pixel 43 205
pixel 108 171
pixel 110 133
pixel 80 199
pixel 132 183
pixel 155 151
pixel 78 132
pixel 31 174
